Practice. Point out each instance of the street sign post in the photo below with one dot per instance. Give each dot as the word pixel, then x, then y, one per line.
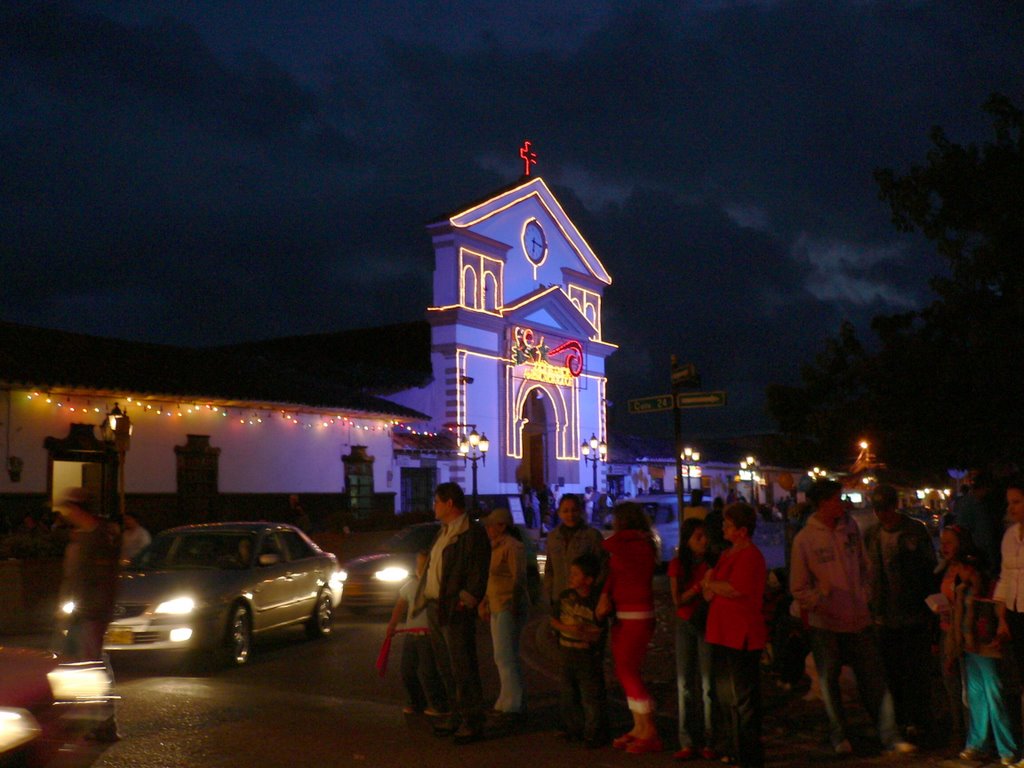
pixel 656 403
pixel 700 399
pixel 685 375
pixel 651 404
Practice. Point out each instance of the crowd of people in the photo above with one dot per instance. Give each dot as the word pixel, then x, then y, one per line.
pixel 881 602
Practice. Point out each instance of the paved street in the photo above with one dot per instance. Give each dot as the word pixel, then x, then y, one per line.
pixel 322 703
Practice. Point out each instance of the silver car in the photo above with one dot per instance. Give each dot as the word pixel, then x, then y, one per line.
pixel 216 586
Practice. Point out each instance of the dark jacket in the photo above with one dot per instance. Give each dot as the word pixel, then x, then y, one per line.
pixel 465 563
pixel 898 595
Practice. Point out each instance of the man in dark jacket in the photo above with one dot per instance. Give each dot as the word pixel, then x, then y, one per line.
pixel 902 572
pixel 454 583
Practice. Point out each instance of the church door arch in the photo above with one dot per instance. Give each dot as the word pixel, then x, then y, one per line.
pixel 538 440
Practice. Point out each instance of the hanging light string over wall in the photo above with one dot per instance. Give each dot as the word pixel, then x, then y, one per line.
pixel 248 416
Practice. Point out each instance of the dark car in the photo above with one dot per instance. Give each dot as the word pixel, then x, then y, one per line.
pixel 45 704
pixel 216 586
pixel 373 581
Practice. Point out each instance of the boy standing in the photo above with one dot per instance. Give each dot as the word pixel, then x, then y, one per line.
pixel 583 698
pixel 419 667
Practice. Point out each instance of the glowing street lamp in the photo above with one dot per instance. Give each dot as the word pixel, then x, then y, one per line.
pixel 690 460
pixel 748 466
pixel 117 429
pixel 473 447
pixel 600 450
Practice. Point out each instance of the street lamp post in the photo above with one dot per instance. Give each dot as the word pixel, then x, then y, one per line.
pixel 599 449
pixel 749 465
pixel 690 459
pixel 473 448
pixel 117 429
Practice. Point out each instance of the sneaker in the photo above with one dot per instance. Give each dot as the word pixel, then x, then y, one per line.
pixel 408 709
pixel 903 748
pixel 1008 760
pixel 844 747
pixel 431 712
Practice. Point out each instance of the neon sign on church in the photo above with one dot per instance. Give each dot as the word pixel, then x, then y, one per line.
pixel 537 357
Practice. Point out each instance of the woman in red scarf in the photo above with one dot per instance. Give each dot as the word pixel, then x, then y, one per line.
pixel 628 592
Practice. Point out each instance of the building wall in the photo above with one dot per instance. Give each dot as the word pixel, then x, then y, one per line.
pixel 261 451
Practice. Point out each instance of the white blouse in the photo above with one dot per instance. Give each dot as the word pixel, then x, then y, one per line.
pixel 1010 587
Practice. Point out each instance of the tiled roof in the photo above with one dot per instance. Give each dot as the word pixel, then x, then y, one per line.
pixel 54 360
pixel 410 442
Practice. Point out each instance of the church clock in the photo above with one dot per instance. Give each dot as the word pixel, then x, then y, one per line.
pixel 535 243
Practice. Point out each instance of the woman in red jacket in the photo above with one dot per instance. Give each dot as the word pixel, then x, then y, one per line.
pixel 629 593
pixel 737 633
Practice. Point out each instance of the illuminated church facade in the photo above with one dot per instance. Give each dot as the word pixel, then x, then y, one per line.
pixel 517 343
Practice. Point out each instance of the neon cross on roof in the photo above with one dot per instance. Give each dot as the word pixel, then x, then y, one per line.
pixel 529 157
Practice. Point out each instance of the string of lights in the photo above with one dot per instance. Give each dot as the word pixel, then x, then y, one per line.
pixel 249 416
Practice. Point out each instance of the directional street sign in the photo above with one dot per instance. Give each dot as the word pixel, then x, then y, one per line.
pixel 685 376
pixel 700 399
pixel 651 404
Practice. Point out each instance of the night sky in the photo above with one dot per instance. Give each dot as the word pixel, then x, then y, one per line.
pixel 217 171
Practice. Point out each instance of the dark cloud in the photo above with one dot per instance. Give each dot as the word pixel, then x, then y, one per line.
pixel 222 170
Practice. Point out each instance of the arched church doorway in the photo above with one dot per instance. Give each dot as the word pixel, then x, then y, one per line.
pixel 537 441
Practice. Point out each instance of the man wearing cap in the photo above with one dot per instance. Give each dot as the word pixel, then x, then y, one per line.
pixel 830 586
pixel 902 571
pixel 454 583
pixel 507 606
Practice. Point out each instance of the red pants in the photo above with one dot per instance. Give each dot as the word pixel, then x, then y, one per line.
pixel 630 638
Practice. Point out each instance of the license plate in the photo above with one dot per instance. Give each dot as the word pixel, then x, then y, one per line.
pixel 119 637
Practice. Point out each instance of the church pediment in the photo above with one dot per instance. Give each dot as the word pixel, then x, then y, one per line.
pixel 529 219
pixel 550 309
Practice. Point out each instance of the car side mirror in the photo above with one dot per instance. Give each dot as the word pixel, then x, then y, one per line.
pixel 269 558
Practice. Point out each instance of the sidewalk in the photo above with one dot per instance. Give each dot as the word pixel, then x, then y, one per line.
pixel 794 729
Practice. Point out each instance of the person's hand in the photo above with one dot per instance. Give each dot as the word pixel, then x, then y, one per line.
pixel 824 586
pixel 1003 632
pixel 604 606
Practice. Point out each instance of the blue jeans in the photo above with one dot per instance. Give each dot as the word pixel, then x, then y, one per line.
pixel 506 627
pixel 858 650
pixel 693 682
pixel 583 698
pixel 988 720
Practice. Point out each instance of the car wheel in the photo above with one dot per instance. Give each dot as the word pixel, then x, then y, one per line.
pixel 319 624
pixel 238 637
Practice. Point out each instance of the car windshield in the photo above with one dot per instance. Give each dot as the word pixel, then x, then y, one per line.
pixel 412 539
pixel 226 550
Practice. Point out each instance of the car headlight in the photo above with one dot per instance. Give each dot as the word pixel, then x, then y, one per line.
pixel 341 575
pixel 394 573
pixel 177 606
pixel 17 727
